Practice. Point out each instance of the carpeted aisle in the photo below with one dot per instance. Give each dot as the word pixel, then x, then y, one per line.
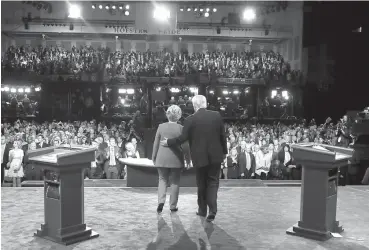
pixel 248 218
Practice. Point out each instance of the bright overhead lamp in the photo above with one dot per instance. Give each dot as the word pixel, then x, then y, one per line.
pixel 74 11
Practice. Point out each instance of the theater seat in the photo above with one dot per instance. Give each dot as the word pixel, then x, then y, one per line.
pixel 32 184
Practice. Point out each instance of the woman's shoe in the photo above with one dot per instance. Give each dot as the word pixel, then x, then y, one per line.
pixel 174 209
pixel 160 208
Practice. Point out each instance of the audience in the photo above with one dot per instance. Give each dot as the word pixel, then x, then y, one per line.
pixel 57 60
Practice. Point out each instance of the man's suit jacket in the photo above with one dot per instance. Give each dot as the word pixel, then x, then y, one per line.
pixel 44 145
pixel 204 130
pixel 7 149
pixel 242 163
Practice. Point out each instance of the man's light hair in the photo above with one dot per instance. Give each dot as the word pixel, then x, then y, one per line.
pixel 174 113
pixel 199 101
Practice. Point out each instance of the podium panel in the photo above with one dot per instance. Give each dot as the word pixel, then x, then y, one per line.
pixel 320 174
pixel 64 193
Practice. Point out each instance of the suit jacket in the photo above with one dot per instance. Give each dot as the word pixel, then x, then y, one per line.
pixel 7 149
pixel 169 157
pixel 242 162
pixel 44 145
pixel 204 130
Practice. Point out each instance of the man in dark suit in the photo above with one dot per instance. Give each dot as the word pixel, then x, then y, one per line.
pixel 246 162
pixel 208 146
pixel 41 142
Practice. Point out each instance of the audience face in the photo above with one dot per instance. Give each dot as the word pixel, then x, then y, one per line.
pixel 32 146
pixel 248 148
pixel 243 145
pixel 112 142
pixel 3 140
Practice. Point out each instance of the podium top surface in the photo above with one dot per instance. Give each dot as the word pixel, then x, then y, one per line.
pixel 62 155
pixel 321 153
pixel 142 162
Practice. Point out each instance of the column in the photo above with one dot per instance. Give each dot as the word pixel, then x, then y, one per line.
pixel 204 47
pixel 118 45
pixel 147 46
pixel 133 46
pixel 175 47
pixel 190 48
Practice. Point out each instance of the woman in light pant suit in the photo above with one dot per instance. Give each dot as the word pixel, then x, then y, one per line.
pixel 169 160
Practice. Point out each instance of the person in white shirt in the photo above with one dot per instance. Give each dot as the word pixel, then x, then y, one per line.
pixel 260 170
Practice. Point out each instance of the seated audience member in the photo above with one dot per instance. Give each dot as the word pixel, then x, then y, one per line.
pixel 130 152
pixel 286 160
pixel 232 164
pixel 112 166
pixel 41 142
pixel 97 166
pixel 246 162
pixel 262 167
pixel 275 172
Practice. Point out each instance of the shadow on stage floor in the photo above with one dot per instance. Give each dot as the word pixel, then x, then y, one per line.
pixel 125 218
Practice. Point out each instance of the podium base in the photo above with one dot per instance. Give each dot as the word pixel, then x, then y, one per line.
pixel 67 239
pixel 296 230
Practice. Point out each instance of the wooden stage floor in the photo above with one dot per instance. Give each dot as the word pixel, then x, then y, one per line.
pixel 125 218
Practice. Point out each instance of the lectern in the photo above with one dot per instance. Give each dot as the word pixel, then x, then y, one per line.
pixel 64 192
pixel 320 173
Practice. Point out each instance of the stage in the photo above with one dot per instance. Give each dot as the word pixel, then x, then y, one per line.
pixel 125 218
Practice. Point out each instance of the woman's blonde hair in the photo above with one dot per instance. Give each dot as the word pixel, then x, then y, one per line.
pixel 174 113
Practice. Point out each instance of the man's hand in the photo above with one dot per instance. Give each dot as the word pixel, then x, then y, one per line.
pixel 164 142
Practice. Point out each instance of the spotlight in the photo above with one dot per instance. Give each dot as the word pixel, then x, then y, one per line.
pixel 122 91
pixel 94 6
pixel 13 90
pixel 181 9
pixel 225 92
pixel 207 9
pixel 2 89
pixel 195 9
pixel 107 6
pixel 126 13
pixel 193 90
pixel 130 91
pixel 284 93
pixel 274 93
pixel 206 14
pixel 211 92
pixel 249 14
pixel 158 89
pixel 74 11
pixel 236 92
pixel 20 90
pixel 122 101
pixel 215 10
pixel 188 9
pixel 247 90
pixel 201 9
pixel 38 89
pixel 100 6
pixel 27 90
pixel 161 14
pixel 127 7
pixel 6 89
pixel 113 7
pixel 120 7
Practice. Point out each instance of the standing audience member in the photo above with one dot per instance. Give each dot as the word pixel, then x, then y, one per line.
pixel 246 161
pixel 15 163
pixel 112 166
pixel 232 164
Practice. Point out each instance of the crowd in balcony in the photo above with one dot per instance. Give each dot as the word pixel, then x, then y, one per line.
pixel 268 146
pixel 57 60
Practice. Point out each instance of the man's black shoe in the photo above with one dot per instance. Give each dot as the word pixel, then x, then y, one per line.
pixel 210 218
pixel 160 208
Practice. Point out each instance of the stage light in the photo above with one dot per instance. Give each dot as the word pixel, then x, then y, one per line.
pixel 207 14
pixel 286 97
pixel 193 90
pixel 195 9
pixel 211 92
pixel 236 92
pixel 207 9
pixel 130 91
pixel 201 9
pixel 158 89
pixel 107 6
pixel 74 11
pixel 247 91
pixel 249 14
pixel 188 9
pixel 94 6
pixel 120 7
pixel 161 13
pixel 122 91
pixel 181 9
pixel 100 6
pixel 6 89
pixel 126 13
pixel 27 90
pixel 122 101
pixel 274 93
pixel 13 90
pixel 20 90
pixel 127 7
pixel 225 92
pixel 174 90
pixel 215 10
pixel 2 89
pixel 38 89
pixel 284 93
pixel 113 7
